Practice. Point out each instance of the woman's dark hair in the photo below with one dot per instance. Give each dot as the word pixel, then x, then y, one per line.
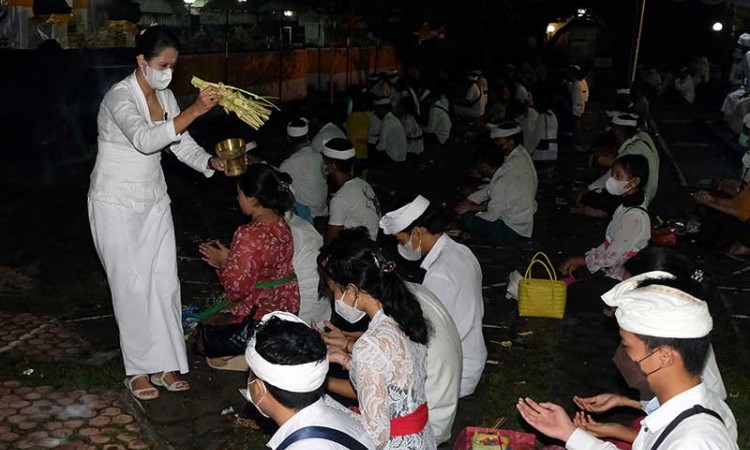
pixel 269 186
pixel 662 259
pixel 637 167
pixel 153 40
pixel 353 258
pixel 434 219
pixel 288 343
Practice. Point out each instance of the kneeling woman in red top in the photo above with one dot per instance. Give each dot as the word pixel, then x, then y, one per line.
pixel 257 268
pixel 387 364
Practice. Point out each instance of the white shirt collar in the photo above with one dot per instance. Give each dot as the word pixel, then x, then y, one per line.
pixel 628 142
pixel 429 260
pixel 295 422
pixel 660 418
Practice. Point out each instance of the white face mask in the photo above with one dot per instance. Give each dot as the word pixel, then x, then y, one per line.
pixel 157 79
pixel 349 313
pixel 257 405
pixel 408 252
pixel 616 187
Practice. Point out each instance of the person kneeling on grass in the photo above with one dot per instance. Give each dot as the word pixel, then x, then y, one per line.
pixel 502 212
pixel 665 333
pixel 288 367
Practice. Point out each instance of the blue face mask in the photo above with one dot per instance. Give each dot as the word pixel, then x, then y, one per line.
pixel 744 141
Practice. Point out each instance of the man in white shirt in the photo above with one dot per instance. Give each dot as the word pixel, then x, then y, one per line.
pixel 288 367
pixel 439 119
pixel 502 212
pixel 471 106
pixel 665 333
pixel 355 203
pixel 307 243
pixel 392 137
pixel 444 363
pixel 452 274
pixel 526 117
pixel 685 86
pixel 579 91
pixel 305 166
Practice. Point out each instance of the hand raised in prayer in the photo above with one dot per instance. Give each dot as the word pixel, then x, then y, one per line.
pixel 599 403
pixel 549 418
pixel 214 253
pixel 604 430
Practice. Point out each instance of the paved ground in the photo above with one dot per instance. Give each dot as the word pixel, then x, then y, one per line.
pixel 48 268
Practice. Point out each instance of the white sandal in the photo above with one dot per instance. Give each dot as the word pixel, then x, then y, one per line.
pixel 149 393
pixel 175 386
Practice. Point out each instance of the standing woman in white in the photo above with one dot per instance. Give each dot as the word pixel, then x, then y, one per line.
pixel 129 213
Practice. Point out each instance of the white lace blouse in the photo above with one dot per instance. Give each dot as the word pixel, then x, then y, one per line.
pixel 389 371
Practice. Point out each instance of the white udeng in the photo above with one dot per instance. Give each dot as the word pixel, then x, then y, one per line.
pixel 131 224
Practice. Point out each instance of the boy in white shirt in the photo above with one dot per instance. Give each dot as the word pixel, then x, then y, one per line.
pixel 355 203
pixel 288 368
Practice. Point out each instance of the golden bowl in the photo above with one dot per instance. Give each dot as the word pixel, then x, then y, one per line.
pixel 232 152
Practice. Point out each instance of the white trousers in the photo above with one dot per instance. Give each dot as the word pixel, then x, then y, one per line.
pixel 137 249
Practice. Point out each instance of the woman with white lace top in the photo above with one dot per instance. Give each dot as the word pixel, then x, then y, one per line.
pixel 387 364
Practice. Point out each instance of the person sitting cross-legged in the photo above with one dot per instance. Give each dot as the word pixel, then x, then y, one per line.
pixel 502 212
pixel 288 367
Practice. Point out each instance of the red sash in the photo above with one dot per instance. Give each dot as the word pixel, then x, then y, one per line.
pixel 411 423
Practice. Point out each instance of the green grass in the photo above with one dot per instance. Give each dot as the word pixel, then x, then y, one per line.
pixel 67 375
pixel 737 382
pixel 523 371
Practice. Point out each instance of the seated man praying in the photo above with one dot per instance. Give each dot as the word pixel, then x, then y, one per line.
pixel 502 212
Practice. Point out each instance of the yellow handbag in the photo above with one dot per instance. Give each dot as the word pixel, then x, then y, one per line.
pixel 542 298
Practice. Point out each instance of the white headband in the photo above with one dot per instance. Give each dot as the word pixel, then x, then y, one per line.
pixel 658 311
pixel 496 132
pixel 298 131
pixel 299 378
pixel 334 153
pixel 744 40
pixel 625 120
pixel 397 221
pixel 381 101
pixel 328 132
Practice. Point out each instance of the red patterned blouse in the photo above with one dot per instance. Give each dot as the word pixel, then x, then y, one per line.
pixel 260 252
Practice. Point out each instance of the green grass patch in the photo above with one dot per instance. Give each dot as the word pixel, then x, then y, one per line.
pixel 66 375
pixel 523 371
